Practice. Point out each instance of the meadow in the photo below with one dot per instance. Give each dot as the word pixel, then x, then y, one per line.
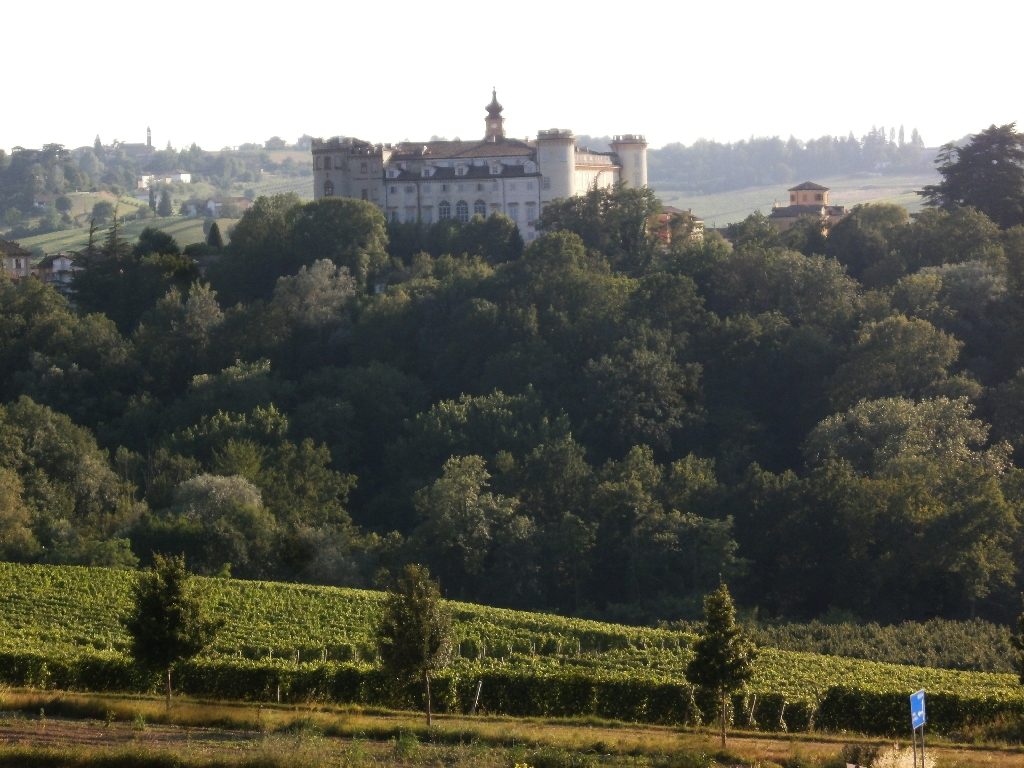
pixel 728 207
pixel 186 230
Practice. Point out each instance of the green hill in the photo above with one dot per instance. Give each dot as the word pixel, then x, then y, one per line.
pixel 53 615
pixel 184 229
pixel 727 207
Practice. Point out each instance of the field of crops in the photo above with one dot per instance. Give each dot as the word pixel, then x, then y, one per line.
pixel 184 229
pixel 60 626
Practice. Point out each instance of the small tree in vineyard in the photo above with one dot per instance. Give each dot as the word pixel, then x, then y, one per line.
pixel 169 621
pixel 414 634
pixel 723 655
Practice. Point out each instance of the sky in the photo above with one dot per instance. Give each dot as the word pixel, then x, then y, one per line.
pixel 223 72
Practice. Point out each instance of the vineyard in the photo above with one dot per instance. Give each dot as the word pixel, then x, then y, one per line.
pixel 60 627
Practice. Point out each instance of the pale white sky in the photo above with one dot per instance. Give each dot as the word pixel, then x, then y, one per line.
pixel 224 72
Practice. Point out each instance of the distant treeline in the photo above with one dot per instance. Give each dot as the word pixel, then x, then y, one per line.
pixel 707 166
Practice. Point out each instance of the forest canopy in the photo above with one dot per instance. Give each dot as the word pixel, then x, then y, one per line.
pixel 595 422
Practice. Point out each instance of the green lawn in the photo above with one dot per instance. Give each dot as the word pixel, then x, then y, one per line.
pixel 184 229
pixel 728 207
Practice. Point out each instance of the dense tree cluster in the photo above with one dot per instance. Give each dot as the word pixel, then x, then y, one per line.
pixel 708 166
pixel 595 423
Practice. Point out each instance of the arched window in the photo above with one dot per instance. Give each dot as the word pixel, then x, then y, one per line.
pixel 462 210
pixel 444 210
pixel 480 208
pixel 328 188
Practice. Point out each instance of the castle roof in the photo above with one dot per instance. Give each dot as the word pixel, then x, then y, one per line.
pixel 473 173
pixel 808 186
pixel 447 150
pixel 9 248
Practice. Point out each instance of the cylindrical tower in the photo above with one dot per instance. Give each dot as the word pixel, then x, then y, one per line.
pixel 632 152
pixel 557 160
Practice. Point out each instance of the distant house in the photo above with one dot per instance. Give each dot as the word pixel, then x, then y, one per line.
pixel 183 176
pixel 672 221
pixel 144 180
pixel 226 207
pixel 807 199
pixel 57 270
pixel 17 261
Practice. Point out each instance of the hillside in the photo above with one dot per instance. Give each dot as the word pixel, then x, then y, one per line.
pixel 61 611
pixel 183 229
pixel 728 207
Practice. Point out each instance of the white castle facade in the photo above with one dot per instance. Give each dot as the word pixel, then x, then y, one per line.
pixel 433 180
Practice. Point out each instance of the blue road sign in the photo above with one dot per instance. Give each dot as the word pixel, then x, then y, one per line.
pixel 917 717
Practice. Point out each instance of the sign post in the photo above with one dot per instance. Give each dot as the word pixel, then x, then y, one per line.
pixel 917 720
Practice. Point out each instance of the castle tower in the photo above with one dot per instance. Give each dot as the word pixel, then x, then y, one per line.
pixel 149 137
pixel 632 152
pixel 494 121
pixel 557 155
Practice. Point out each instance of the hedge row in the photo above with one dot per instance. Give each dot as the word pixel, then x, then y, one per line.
pixel 512 692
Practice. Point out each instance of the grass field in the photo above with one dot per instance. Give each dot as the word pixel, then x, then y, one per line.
pixel 184 229
pixel 728 207
pixel 276 185
pixel 43 728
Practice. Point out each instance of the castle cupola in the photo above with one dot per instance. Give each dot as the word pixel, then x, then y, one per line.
pixel 494 121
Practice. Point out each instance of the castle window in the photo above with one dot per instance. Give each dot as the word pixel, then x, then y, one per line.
pixel 819 196
pixel 462 210
pixel 444 210
pixel 410 215
pixel 513 211
pixel 546 184
pixel 636 179
pixel 512 186
pixel 480 208
pixel 394 214
pixel 529 185
pixel 318 163
pixel 426 189
pixel 531 213
pixel 365 196
pixel 494 187
pixel 362 167
pixel 792 198
pixel 479 187
pixel 392 190
pixel 444 187
pixel 328 188
pixel 428 216
pixel 410 189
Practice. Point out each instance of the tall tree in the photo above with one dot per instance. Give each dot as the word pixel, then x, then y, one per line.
pixel 414 635
pixel 987 173
pixel 213 239
pixel 165 206
pixel 169 621
pixel 723 655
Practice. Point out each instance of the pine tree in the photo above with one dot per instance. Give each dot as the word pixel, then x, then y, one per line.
pixel 165 207
pixel 214 239
pixel 168 622
pixel 414 635
pixel 723 655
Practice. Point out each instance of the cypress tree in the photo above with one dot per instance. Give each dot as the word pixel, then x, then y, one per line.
pixel 165 208
pixel 214 239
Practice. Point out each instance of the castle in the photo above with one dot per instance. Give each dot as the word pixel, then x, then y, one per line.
pixel 434 180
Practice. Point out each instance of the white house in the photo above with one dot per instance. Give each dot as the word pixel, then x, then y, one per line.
pixel 433 180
